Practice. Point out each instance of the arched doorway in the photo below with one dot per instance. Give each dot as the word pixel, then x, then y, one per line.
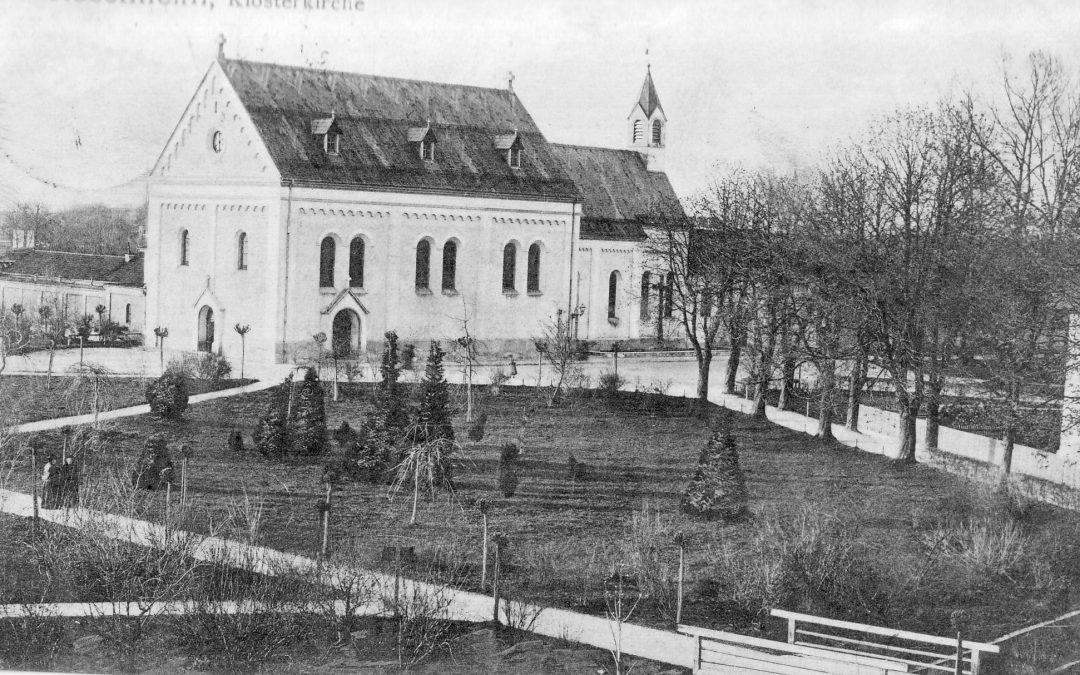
pixel 206 329
pixel 346 333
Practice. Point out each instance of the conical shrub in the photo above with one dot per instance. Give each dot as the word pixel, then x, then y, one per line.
pixel 271 434
pixel 718 489
pixel 309 430
pixel 389 392
pixel 433 415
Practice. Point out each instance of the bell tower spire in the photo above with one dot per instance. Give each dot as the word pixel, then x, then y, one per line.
pixel 647 128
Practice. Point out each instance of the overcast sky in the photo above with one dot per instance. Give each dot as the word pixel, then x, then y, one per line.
pixel 90 90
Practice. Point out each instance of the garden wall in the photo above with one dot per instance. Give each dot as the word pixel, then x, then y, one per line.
pixel 1058 467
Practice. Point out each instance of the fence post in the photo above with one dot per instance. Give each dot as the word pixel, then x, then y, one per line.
pixel 975 661
pixel 697 653
pixel 791 631
pixel 959 653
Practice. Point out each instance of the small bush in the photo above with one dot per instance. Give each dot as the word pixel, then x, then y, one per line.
pixel 345 435
pixel 202 366
pixel 168 395
pixel 236 441
pixel 154 468
pixel 983 547
pixel 476 429
pixel 408 356
pixel 499 377
pixel 577 472
pixel 371 454
pixel 582 349
pixel 806 562
pixel 213 367
pixel 610 384
pixel 651 551
pixel 508 470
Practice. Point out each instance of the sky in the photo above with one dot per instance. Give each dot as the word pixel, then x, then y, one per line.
pixel 91 89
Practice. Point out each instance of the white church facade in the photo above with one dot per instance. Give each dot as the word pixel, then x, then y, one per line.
pixel 299 201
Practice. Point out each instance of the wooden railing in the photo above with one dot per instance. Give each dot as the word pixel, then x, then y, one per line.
pixel 921 653
pixel 719 652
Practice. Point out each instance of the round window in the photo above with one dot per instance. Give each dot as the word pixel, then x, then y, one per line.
pixel 216 141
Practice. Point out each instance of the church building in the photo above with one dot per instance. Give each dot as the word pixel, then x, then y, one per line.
pixel 300 201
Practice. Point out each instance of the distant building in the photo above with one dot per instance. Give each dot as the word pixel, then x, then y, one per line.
pixel 300 201
pixel 73 284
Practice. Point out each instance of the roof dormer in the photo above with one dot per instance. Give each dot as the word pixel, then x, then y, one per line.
pixel 326 131
pixel 511 145
pixel 425 140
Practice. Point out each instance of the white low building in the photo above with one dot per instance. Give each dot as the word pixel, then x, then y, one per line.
pixel 300 201
pixel 73 285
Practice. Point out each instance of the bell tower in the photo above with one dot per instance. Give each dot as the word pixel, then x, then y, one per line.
pixel 647 125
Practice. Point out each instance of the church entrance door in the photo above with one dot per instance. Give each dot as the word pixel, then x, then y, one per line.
pixel 206 329
pixel 346 333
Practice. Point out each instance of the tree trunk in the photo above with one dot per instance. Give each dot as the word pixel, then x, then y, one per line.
pixel 933 411
pixel 732 374
pixel 827 380
pixel 760 399
pixel 1010 428
pixel 704 359
pixel 1007 452
pixel 855 388
pixel 787 383
pixel 763 374
pixel 48 375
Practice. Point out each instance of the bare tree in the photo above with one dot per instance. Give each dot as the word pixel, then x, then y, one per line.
pixel 561 349
pixel 1028 278
pixel 704 259
pixel 929 176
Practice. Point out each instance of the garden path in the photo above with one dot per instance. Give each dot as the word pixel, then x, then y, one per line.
pixel 60 422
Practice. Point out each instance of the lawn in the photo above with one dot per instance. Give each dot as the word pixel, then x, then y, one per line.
pixel 28 398
pixel 831 530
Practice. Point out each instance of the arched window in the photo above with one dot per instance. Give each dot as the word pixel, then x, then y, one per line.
pixel 449 265
pixel 356 263
pixel 639 131
pixel 533 282
pixel 423 264
pixel 668 295
pixel 127 314
pixel 326 263
pixel 657 132
pixel 646 280
pixel 509 266
pixel 612 294
pixel 241 251
pixel 185 243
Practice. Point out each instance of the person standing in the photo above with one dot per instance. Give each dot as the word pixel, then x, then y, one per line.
pixel 48 483
pixel 69 483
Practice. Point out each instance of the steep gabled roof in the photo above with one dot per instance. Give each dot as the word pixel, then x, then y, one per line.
pixel 616 186
pixel 649 100
pixel 375 116
pixel 110 269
